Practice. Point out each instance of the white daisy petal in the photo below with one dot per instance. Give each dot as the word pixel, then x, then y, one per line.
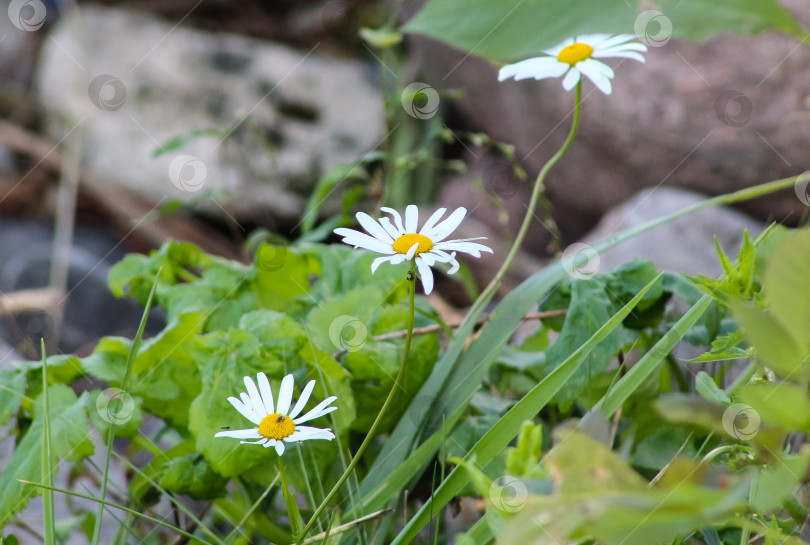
pixel 412 251
pixel 248 403
pixel 445 228
pixel 267 393
pixel 411 218
pixel 627 55
pixel 244 410
pixel 316 412
pixel 537 68
pixel 302 401
pixel 362 240
pixel 620 49
pixel 285 394
pixel 259 442
pixel 373 228
pixel 454 263
pixel 425 274
pixel 252 433
pixel 428 258
pixel 554 51
pixel 590 69
pixel 614 41
pixel 571 79
pixel 472 248
pixel 255 398
pixel 390 229
pixel 397 218
pixel 270 443
pixel 380 260
pixel 593 40
pixel 280 447
pixel 432 220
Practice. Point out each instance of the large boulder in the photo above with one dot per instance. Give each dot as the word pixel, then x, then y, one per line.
pixel 276 118
pixel 711 117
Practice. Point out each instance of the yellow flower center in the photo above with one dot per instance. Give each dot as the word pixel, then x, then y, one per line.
pixel 404 243
pixel 276 426
pixel 574 53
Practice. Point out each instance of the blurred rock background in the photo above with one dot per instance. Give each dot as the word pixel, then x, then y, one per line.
pixel 207 120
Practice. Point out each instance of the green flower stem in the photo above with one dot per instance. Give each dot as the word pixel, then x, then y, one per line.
pixel 412 298
pixel 536 194
pixel 292 507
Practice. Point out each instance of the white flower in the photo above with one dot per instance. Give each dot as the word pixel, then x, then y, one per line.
pixel 577 56
pixel 403 242
pixel 277 424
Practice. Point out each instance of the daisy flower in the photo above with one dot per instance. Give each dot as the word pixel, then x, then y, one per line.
pixel 277 424
pixel 577 56
pixel 403 242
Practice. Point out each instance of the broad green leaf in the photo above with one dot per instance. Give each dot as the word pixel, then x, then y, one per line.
pixel 779 404
pixel 787 285
pixel 193 475
pixel 702 19
pixel 773 343
pixel 70 440
pixel 597 495
pixel 511 29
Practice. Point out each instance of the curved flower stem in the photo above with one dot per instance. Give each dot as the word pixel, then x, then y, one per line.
pixel 536 194
pixel 400 375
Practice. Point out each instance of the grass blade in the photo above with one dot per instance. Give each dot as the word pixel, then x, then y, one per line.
pixel 121 507
pixel 508 427
pixel 453 380
pixel 47 456
pixel 136 344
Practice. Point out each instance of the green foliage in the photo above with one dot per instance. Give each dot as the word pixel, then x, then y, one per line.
pixel 69 441
pixel 512 29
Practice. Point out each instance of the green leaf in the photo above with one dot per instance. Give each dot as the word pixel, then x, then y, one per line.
pixel 70 440
pixel 12 391
pixel 597 495
pixel 702 19
pixel 724 348
pixel 502 433
pixel 511 29
pixel 779 404
pixel 193 475
pixel 787 287
pixel 772 341
pixel 706 387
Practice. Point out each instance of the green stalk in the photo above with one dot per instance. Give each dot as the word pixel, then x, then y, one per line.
pixel 381 414
pixel 136 344
pixel 536 193
pixel 292 507
pixel 47 457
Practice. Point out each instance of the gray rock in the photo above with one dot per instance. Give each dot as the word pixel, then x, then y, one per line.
pixel 127 84
pixel 683 245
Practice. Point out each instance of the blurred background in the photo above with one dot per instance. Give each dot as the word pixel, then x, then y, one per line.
pixel 124 124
